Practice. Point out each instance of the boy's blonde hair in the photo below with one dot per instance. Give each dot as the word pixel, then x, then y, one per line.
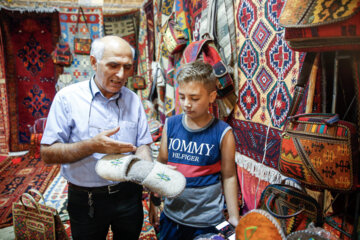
pixel 198 71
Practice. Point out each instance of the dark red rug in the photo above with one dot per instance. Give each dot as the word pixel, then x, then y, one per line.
pixel 29 39
pixel 18 175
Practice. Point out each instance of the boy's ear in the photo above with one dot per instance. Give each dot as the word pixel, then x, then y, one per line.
pixel 213 95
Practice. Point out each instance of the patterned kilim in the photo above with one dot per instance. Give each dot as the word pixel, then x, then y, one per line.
pixel 182 12
pixel 314 13
pixel 144 65
pixel 123 25
pixel 149 11
pixel 146 47
pixel 195 8
pixel 30 73
pixel 4 114
pixel 18 177
pixel 56 196
pixel 268 71
pixel 80 68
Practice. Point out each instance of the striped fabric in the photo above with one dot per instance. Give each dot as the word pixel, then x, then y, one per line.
pixel 4 115
pixel 316 124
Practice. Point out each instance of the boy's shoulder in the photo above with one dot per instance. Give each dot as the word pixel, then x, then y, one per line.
pixel 221 122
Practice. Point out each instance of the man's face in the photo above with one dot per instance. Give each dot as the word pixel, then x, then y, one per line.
pixel 113 70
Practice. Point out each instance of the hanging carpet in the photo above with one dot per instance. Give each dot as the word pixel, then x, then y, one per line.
pixel 267 71
pixel 80 68
pixel 29 39
pixel 123 25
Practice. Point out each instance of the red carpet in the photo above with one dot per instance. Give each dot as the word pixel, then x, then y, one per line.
pixel 30 72
pixel 2 158
pixel 18 175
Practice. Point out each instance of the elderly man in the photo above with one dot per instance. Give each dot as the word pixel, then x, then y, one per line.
pixel 88 120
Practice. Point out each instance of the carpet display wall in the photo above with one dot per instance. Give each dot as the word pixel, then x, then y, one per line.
pixel 29 39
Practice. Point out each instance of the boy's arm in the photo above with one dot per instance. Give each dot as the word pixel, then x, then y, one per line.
pixel 163 151
pixel 154 211
pixel 229 178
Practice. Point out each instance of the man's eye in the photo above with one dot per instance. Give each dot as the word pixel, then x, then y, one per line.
pixel 128 67
pixel 195 99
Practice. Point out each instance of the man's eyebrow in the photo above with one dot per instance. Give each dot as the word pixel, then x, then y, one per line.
pixel 116 63
pixel 113 63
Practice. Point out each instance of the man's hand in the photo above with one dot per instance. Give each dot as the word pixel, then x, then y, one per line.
pixel 102 143
pixel 72 152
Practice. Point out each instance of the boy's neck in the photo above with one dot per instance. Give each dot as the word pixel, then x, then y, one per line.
pixel 198 122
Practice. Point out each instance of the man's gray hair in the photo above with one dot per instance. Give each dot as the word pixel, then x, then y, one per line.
pixel 98 48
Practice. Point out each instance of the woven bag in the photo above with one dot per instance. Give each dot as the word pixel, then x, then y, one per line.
pixel 292 207
pixel 82 45
pixel 33 220
pixel 321 25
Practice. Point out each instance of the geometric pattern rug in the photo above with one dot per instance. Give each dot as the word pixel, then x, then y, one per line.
pixel 80 68
pixel 267 70
pixel 29 39
pixel 56 196
pixel 17 176
pixel 123 25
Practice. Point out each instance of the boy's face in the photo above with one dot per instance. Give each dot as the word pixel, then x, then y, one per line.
pixel 195 99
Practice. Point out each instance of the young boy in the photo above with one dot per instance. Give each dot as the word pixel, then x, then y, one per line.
pixel 202 148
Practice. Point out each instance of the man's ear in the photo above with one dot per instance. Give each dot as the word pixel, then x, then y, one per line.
pixel 93 63
pixel 213 95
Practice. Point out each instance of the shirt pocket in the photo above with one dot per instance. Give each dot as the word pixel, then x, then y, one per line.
pixel 127 132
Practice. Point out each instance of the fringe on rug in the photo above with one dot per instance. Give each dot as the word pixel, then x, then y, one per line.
pixel 37 9
pixel 259 170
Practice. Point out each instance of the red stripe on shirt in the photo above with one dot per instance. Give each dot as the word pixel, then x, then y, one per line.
pixel 196 171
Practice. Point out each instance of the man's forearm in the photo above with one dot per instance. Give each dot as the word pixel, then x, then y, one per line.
pixel 144 152
pixel 66 152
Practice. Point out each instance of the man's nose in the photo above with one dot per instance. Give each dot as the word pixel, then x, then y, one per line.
pixel 120 73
